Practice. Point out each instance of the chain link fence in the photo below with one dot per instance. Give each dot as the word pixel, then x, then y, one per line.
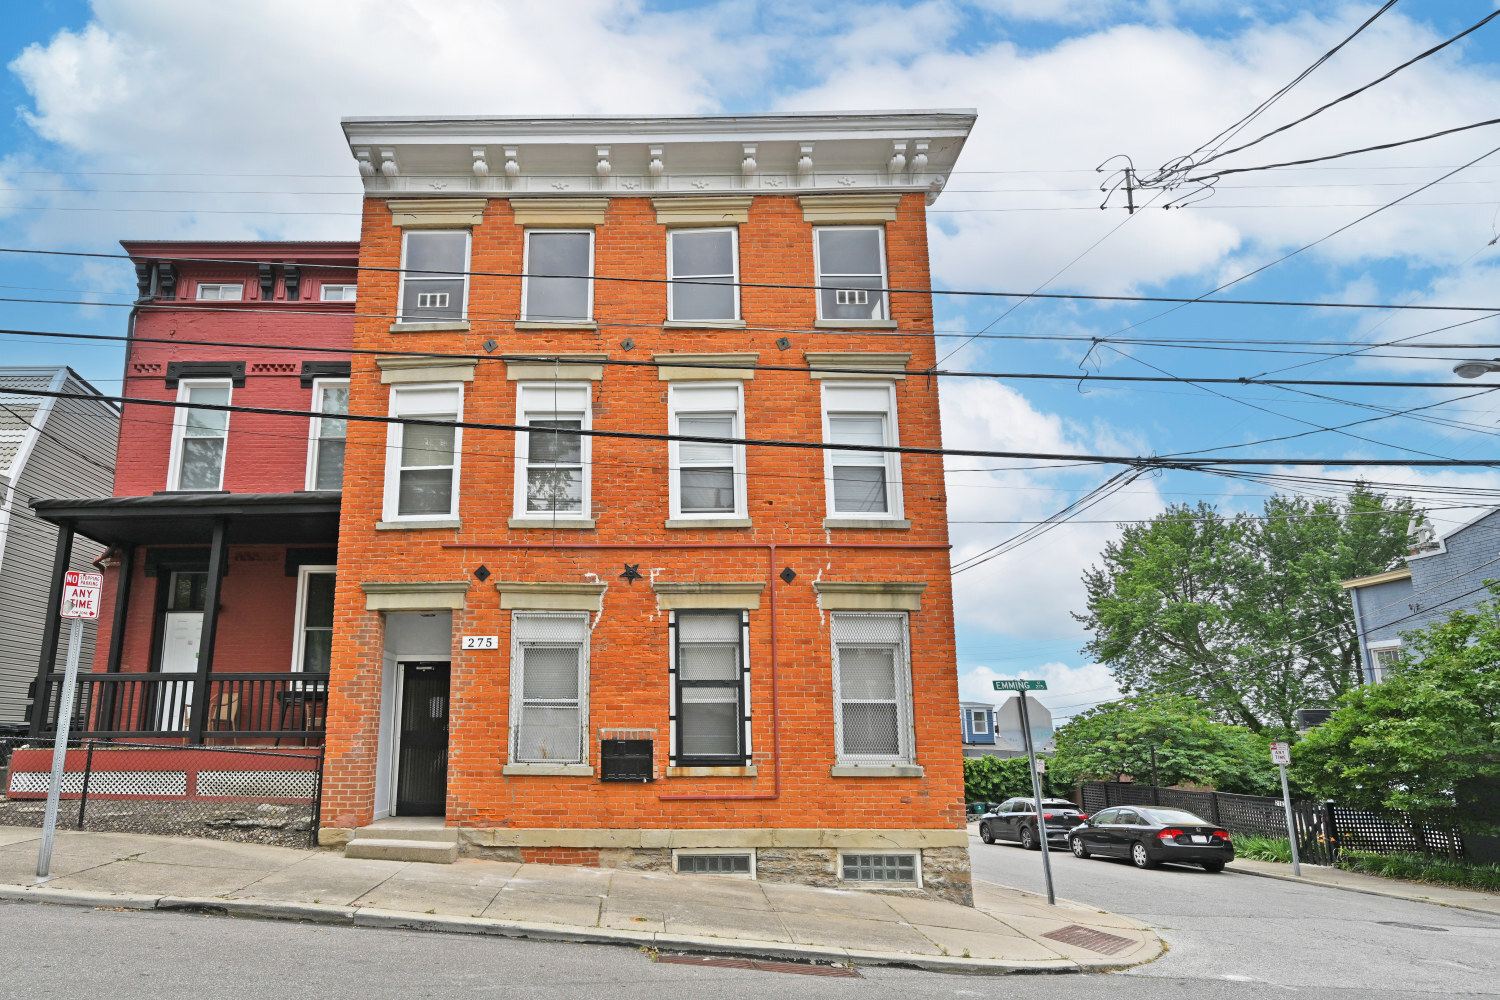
pixel 243 794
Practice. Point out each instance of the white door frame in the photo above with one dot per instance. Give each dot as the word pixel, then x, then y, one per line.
pixel 395 760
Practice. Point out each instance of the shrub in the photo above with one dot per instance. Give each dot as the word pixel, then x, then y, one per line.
pixel 1257 848
pixel 1420 868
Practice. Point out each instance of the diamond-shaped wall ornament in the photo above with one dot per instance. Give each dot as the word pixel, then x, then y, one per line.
pixel 632 572
pixel 627 344
pixel 784 343
pixel 482 574
pixel 490 345
pixel 787 575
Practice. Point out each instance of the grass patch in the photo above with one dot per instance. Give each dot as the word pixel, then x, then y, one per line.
pixel 1259 848
pixel 1420 868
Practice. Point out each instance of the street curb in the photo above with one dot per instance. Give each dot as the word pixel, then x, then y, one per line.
pixel 365 916
pixel 1304 880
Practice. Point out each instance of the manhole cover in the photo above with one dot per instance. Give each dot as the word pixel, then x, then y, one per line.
pixel 1084 937
pixel 797 968
pixel 1411 927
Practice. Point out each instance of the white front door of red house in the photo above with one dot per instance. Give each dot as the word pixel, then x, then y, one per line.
pixel 182 631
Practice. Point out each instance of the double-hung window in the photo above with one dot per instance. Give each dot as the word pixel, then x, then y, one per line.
pixel 872 688
pixel 710 689
pixel 223 292
pixel 434 276
pixel 861 484
pixel 851 272
pixel 1382 660
pixel 337 293
pixel 422 458
pixel 549 678
pixel 703 265
pixel 200 436
pixel 708 477
pixel 552 459
pixel 559 285
pixel 325 452
pixel 979 723
pixel 313 640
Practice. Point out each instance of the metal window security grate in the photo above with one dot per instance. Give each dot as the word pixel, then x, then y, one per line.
pixel 714 864
pixel 549 691
pixel 871 677
pixel 899 868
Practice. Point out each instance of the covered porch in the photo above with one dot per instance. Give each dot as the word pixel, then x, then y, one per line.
pixel 218 615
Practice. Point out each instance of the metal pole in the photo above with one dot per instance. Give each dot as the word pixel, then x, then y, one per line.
pixel 1291 825
pixel 1036 789
pixel 60 749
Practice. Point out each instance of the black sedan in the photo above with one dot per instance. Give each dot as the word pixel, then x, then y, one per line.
pixel 1015 820
pixel 1149 836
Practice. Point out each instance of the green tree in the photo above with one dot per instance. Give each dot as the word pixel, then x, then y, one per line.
pixel 1116 739
pixel 995 779
pixel 1428 731
pixel 1243 614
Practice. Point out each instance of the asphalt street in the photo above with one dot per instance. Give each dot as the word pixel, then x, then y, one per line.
pixel 1241 929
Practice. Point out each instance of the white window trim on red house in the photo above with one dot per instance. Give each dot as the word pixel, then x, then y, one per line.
pixel 394 437
pixel 179 431
pixel 544 401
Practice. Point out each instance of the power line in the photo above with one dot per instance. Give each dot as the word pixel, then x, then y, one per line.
pixel 1350 152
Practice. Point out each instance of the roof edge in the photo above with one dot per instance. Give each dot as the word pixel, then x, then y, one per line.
pixel 1369 581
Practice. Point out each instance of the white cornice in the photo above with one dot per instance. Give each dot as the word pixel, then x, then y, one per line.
pixel 638 156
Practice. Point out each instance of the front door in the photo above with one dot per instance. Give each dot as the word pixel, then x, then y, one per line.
pixel 422 755
pixel 182 631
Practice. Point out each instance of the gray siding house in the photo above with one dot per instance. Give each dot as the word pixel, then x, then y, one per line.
pixel 48 447
pixel 1442 577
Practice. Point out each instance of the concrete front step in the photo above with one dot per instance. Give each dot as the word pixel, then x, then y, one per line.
pixel 391 849
pixel 408 829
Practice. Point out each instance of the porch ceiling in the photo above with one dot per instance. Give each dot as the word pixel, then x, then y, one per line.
pixel 188 518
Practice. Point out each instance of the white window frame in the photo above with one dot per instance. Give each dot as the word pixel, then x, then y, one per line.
pixel 518 687
pixel 677 395
pixel 906 741
pixel 342 287
pixel 179 431
pixel 894 502
pixel 688 852
pixel 734 275
pixel 394 432
pixel 979 722
pixel 526 316
pixel 675 758
pixel 299 619
pixel 406 236
pixel 885 274
pixel 218 287
pixel 529 397
pixel 1377 672
pixel 314 425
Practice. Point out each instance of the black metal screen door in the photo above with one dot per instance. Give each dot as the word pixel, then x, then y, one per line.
pixel 422 773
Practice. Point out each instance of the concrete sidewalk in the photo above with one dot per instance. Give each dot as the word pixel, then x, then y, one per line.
pixel 1007 931
pixel 1374 885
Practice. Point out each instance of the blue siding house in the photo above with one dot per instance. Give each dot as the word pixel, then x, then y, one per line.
pixel 1444 575
pixel 991 733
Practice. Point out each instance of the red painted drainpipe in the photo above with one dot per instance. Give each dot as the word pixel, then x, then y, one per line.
pixel 770 548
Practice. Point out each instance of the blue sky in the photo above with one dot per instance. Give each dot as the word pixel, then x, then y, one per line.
pixel 175 118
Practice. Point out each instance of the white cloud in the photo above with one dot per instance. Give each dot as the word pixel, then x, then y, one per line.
pixel 1070 689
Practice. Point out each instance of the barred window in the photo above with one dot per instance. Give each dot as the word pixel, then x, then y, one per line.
pixel 549 687
pixel 872 686
pixel 897 868
pixel 710 710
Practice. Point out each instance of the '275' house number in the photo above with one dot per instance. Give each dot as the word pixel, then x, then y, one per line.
pixel 481 642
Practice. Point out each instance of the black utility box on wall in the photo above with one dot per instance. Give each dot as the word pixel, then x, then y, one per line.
pixel 626 760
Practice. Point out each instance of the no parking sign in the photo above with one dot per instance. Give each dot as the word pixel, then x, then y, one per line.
pixel 81 594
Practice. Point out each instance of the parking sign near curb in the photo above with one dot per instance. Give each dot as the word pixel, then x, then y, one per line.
pixel 81 594
pixel 1281 753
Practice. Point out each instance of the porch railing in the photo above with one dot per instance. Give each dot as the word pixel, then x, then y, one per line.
pixel 240 705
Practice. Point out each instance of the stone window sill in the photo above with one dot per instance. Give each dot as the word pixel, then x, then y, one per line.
pixel 704 324
pixel 453 326
pixel 550 770
pixel 713 772
pixel 561 524
pixel 707 522
pixel 527 324
pixel 868 524
pixel 855 324
pixel 877 771
pixel 446 523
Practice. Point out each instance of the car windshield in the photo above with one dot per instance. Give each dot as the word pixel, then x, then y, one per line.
pixel 1165 816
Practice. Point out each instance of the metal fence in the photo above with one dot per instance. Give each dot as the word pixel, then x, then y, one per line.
pixel 244 794
pixel 1323 828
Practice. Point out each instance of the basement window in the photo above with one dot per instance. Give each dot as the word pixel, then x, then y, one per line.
pixel 883 869
pixel 712 862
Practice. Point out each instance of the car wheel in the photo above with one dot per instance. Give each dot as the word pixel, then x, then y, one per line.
pixel 1213 866
pixel 1139 857
pixel 1080 850
pixel 1028 839
pixel 985 834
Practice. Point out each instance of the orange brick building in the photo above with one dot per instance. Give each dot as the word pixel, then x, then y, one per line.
pixel 675 651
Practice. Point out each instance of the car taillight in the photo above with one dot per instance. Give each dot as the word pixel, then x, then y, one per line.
pixel 1082 816
pixel 1168 834
pixel 1049 815
pixel 1221 834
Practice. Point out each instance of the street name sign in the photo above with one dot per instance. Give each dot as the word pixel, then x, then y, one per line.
pixel 81 594
pixel 1016 684
pixel 1281 753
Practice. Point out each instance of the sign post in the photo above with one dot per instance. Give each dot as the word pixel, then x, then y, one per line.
pixel 1281 756
pixel 1023 686
pixel 80 600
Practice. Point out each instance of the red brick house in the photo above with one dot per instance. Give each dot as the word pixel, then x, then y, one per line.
pixel 222 532
pixel 696 655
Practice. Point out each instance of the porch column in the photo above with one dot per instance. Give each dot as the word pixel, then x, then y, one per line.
pixel 123 575
pixel 61 557
pixel 211 591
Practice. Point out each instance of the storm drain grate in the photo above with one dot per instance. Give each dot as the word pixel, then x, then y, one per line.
pixel 797 968
pixel 1083 937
